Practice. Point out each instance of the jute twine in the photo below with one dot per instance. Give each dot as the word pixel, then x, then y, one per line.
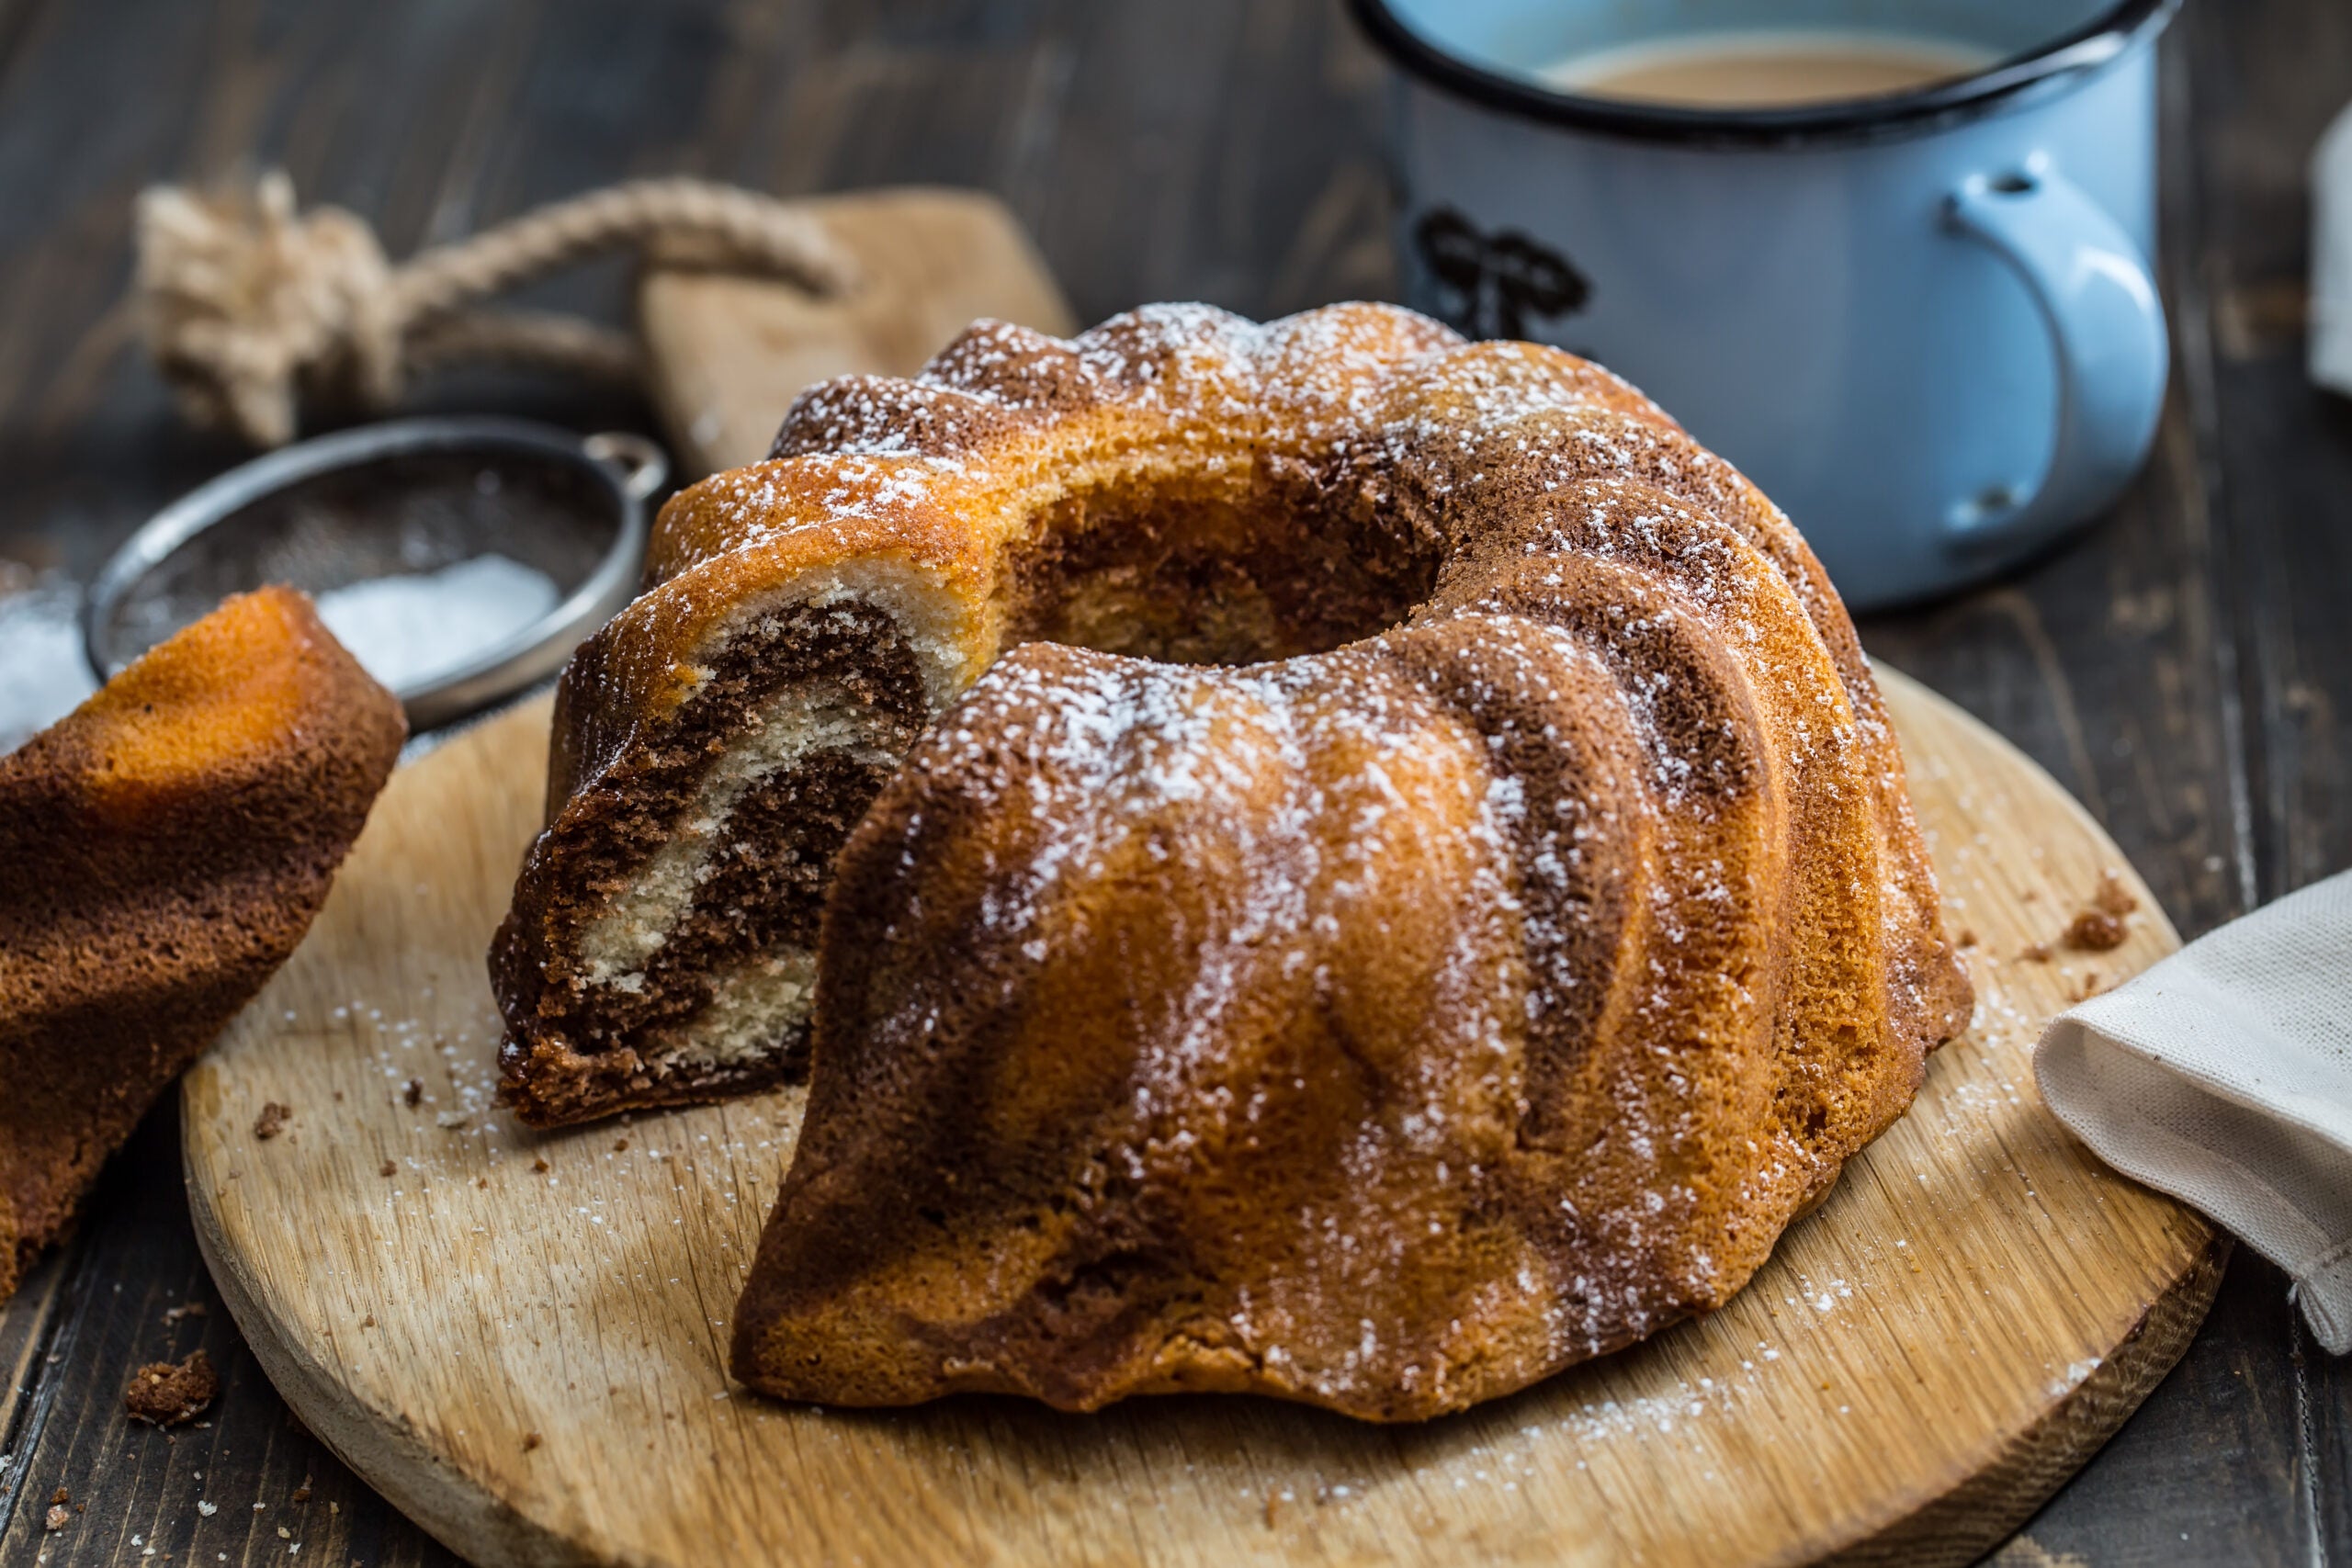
pixel 248 306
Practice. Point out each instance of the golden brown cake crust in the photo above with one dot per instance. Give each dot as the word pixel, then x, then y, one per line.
pixel 1384 1027
pixel 1406 882
pixel 163 849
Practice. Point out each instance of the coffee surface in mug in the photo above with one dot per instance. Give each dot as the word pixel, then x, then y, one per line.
pixel 1781 69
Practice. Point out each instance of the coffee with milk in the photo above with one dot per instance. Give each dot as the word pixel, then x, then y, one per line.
pixel 1783 69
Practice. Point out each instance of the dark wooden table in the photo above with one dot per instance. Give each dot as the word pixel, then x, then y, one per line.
pixel 2186 668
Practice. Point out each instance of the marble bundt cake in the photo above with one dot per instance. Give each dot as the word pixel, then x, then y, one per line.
pixel 163 849
pixel 1427 898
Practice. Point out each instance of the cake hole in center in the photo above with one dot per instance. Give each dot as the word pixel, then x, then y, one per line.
pixel 1194 576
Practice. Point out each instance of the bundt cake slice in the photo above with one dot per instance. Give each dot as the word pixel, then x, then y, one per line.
pixel 163 849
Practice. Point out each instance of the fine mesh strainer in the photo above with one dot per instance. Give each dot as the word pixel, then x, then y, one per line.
pixel 399 503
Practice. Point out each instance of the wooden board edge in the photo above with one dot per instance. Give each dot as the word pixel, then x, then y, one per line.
pixel 443 1500
pixel 1963 1523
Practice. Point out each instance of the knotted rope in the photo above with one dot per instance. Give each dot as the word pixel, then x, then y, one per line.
pixel 248 306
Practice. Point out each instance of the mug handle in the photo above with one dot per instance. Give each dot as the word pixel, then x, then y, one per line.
pixel 2107 326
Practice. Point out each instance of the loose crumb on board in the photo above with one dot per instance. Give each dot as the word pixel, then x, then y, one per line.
pixel 186 1309
pixel 540 1167
pixel 2096 930
pixel 272 1120
pixel 388 1169
pixel 413 1092
pixel 167 1394
pixel 531 1440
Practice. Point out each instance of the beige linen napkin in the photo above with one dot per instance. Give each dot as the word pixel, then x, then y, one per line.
pixel 2223 1077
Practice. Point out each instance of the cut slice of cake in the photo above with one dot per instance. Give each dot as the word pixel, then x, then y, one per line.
pixel 163 849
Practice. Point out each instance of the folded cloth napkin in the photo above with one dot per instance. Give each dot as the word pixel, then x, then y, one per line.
pixel 2223 1077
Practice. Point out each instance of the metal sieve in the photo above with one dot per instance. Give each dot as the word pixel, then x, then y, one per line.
pixel 393 500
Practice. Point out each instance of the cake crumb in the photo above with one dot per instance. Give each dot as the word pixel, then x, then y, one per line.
pixel 388 1169
pixel 620 1146
pixel 367 1322
pixel 302 1493
pixel 272 1120
pixel 165 1394
pixel 531 1440
pixel 2096 930
pixel 2113 897
pixel 186 1309
pixel 2035 953
pixel 413 1092
pixel 58 1518
pixel 540 1167
pixel 1967 938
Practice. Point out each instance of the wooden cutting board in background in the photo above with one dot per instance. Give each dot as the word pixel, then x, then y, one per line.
pixel 520 1339
pixel 727 354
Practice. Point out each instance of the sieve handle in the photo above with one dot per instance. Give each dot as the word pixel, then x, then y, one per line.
pixel 641 464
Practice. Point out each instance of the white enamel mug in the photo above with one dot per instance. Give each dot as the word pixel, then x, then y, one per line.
pixel 1924 323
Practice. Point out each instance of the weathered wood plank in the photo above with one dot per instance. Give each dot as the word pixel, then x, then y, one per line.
pixel 2249 1450
pixel 2270 78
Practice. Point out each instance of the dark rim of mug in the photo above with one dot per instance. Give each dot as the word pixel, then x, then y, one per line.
pixel 2087 49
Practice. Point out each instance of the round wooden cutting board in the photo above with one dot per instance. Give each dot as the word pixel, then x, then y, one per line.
pixel 520 1339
